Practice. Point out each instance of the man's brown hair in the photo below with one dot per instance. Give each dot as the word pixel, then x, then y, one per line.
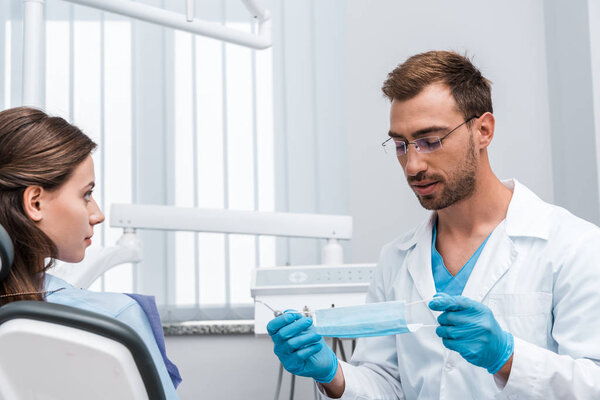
pixel 471 90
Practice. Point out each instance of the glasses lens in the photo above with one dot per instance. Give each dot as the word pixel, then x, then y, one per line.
pixel 399 147
pixel 428 144
pixel 393 148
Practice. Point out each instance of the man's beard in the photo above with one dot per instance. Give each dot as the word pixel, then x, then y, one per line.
pixel 460 184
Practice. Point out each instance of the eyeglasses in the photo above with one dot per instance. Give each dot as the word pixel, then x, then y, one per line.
pixel 427 144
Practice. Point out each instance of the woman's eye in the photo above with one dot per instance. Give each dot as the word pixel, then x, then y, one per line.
pixel 87 196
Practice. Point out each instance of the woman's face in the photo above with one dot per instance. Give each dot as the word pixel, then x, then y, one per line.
pixel 69 213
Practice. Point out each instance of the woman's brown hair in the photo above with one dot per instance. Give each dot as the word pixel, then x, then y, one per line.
pixel 35 150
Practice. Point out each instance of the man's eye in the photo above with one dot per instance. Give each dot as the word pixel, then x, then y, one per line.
pixel 430 141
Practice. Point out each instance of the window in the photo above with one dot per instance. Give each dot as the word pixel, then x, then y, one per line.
pixel 224 160
pixel 221 105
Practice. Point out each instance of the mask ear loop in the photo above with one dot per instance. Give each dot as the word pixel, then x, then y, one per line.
pixel 416 302
pixel 415 327
pixel 276 313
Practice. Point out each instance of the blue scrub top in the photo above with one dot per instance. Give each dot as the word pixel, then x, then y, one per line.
pixel 444 281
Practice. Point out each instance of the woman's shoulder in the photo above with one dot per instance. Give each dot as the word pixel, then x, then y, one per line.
pixel 110 304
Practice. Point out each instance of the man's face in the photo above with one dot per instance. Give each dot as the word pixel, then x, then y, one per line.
pixel 448 175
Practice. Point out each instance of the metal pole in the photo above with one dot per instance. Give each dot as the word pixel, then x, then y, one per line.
pixel 189 10
pixel 178 21
pixel 257 10
pixel 33 52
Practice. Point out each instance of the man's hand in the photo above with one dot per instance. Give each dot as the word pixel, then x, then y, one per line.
pixel 469 327
pixel 300 349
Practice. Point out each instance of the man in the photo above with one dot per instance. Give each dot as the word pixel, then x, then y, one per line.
pixel 517 279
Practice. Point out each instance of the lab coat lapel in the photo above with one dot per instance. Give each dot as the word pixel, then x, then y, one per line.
pixel 527 216
pixel 419 262
pixel 496 258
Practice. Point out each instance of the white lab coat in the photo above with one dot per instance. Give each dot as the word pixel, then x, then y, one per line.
pixel 540 275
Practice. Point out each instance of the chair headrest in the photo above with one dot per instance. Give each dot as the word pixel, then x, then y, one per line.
pixel 7 253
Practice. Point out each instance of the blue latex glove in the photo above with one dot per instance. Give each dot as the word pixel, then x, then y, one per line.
pixel 469 328
pixel 300 349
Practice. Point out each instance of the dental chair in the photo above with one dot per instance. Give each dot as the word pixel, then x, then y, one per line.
pixel 55 352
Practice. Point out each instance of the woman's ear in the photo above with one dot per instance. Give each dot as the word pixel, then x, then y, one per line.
pixel 31 202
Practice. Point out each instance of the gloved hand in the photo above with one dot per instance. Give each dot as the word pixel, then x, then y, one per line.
pixel 469 327
pixel 300 349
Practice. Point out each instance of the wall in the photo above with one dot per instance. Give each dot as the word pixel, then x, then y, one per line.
pixel 571 100
pixel 594 34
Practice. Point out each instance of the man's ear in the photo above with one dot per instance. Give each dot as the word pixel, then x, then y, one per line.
pixel 32 202
pixel 487 123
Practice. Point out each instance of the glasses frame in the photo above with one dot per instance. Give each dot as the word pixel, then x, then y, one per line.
pixel 417 147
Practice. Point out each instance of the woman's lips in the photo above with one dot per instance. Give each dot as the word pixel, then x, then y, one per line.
pixel 425 189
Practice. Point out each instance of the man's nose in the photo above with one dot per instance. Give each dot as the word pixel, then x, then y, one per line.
pixel 414 162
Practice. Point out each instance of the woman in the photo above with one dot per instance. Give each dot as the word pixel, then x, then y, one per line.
pixel 47 207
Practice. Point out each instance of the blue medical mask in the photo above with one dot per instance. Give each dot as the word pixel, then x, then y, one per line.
pixel 373 319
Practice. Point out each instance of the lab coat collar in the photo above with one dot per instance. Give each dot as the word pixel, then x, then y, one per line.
pixel 419 233
pixel 527 215
pixel 496 258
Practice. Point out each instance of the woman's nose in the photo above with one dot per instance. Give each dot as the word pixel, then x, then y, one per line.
pixel 96 216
